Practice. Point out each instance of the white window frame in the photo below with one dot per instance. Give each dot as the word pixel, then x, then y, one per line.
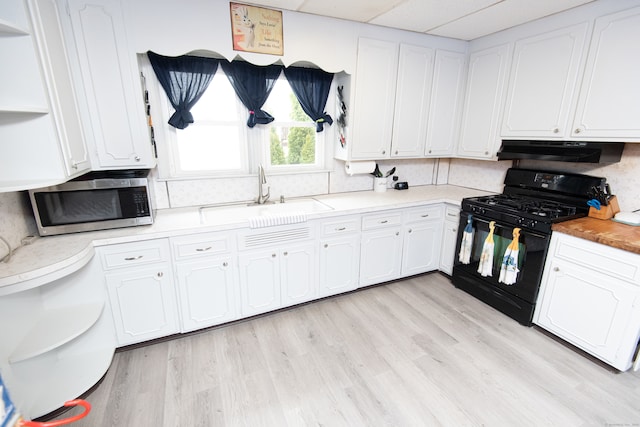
pixel 255 147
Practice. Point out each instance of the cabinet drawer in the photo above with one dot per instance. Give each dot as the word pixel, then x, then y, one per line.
pixel 383 219
pixel 340 226
pixel 611 261
pixel 452 213
pixel 423 213
pixel 132 254
pixel 200 245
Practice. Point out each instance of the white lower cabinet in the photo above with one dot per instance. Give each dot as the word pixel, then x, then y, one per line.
pixel 279 270
pixel 449 238
pixel 381 247
pixel 139 281
pixel 590 297
pixel 422 238
pixel 206 280
pixel 207 290
pixel 339 256
pixel 398 244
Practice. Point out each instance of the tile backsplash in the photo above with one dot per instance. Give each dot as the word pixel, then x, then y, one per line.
pixel 191 192
pixel 16 220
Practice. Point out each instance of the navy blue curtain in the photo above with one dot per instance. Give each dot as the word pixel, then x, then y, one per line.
pixel 253 85
pixel 311 87
pixel 184 79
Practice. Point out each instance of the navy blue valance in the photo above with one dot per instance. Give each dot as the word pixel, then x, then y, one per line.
pixel 311 86
pixel 184 79
pixel 253 85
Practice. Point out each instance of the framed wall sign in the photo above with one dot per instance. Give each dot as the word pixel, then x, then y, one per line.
pixel 256 29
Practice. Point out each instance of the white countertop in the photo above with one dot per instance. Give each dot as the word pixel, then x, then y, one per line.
pixel 53 257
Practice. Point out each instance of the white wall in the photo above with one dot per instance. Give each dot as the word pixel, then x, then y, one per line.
pixel 194 25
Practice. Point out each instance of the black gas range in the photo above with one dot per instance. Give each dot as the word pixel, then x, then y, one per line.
pixel 531 202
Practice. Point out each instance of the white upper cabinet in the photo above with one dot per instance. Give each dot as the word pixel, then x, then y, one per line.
pixel 609 102
pixel 41 140
pixel 111 85
pixel 446 103
pixel 413 91
pixel 375 83
pixel 407 100
pixel 484 102
pixel 543 82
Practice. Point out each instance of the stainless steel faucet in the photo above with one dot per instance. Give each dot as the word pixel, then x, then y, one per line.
pixel 262 179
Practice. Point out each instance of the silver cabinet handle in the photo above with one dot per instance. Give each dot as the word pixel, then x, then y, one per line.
pixel 384 151
pixel 578 130
pixel 556 269
pixel 273 255
pixel 341 228
pixel 137 158
pixel 160 274
pixel 285 253
pixel 225 264
pixel 133 258
pixel 410 231
pixel 425 215
pixel 203 249
pixel 396 152
pixel 556 130
pixel 326 245
pixel 384 221
pixel 397 233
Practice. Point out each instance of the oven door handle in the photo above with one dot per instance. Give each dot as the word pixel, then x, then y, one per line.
pixel 510 227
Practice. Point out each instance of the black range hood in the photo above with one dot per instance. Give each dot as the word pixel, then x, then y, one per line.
pixel 561 151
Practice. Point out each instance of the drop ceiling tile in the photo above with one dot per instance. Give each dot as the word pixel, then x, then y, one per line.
pixel 503 15
pixel 354 10
pixel 422 15
pixel 275 4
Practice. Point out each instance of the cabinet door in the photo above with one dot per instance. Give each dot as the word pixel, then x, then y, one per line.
pixel 609 103
pixel 484 102
pixel 339 264
pixel 446 103
pixel 143 303
pixel 421 247
pixel 449 239
pixel 375 87
pixel 207 289
pixel 380 255
pixel 589 309
pixel 55 61
pixel 542 85
pixel 111 84
pixel 298 275
pixel 259 281
pixel 413 93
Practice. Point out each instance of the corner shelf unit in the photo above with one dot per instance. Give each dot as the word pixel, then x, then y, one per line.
pixel 55 328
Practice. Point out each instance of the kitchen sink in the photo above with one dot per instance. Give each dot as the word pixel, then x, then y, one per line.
pixel 295 209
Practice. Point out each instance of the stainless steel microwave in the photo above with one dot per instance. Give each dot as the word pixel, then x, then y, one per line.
pixel 92 203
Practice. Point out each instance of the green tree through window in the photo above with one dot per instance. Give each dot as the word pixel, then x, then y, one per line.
pixel 300 140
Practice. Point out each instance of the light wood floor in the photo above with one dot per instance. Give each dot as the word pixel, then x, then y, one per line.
pixel 417 352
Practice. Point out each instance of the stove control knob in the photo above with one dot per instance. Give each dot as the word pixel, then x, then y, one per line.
pixel 478 210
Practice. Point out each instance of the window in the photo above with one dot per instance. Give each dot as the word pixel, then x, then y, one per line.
pixel 216 141
pixel 219 143
pixel 291 139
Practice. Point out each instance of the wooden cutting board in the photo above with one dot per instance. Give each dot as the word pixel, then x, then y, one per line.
pixel 606 232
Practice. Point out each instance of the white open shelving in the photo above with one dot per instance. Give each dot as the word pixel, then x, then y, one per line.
pixel 55 328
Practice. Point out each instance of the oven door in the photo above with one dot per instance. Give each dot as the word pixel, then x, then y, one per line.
pixel 519 296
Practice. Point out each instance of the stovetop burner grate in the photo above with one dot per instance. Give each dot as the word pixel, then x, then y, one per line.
pixel 527 205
